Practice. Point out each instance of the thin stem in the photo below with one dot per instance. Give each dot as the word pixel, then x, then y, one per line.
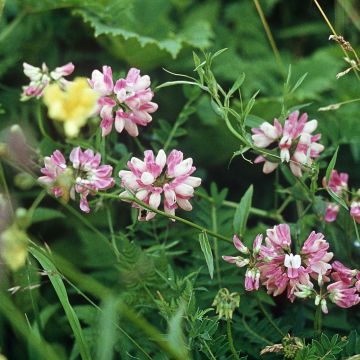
pixel 318 321
pixel 269 36
pixel 356 230
pixel 112 233
pixel 169 216
pixel 332 30
pixel 209 350
pixel 216 247
pixel 36 203
pixel 268 317
pixel 230 339
pixel 5 188
pixel 139 145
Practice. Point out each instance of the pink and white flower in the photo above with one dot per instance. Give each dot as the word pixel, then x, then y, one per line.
pixel 84 176
pixel 252 274
pixel 54 170
pixel 338 182
pixel 127 103
pixel 169 176
pixel 90 176
pixel 40 78
pixel 343 294
pixel 355 211
pixel 331 212
pixel 295 143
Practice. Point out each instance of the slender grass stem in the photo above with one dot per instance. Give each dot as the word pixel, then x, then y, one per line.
pixel 269 36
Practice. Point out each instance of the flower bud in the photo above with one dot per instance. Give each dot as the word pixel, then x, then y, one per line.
pixel 24 181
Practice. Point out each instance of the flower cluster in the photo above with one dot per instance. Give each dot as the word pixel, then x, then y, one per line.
pixel 40 78
pixel 168 175
pixel 294 141
pixel 279 270
pixel 338 183
pixel 127 103
pixel 84 176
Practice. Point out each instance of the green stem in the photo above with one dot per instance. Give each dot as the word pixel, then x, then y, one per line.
pixel 216 247
pixel 230 339
pixel 356 230
pixel 36 203
pixel 169 216
pixel 268 317
pixel 5 188
pixel 112 233
pixel 318 321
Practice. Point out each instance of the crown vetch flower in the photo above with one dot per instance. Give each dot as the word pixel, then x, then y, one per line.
pixel 252 274
pixel 72 104
pixel 355 211
pixel 295 142
pixel 40 78
pixel 343 294
pixel 331 212
pixel 168 175
pixel 90 176
pixel 84 176
pixel 127 103
pixel 338 182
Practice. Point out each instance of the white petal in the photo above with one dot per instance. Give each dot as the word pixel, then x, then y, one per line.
pixel 147 178
pixel 142 194
pixel 154 200
pixel 184 204
pixel 183 168
pixel 310 126
pixel 161 158
pixel 193 181
pixel 184 190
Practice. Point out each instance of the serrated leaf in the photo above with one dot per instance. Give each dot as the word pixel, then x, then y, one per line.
pixel 206 249
pixel 242 212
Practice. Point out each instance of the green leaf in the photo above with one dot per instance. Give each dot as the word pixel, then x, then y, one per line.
pixel 206 249
pixel 298 83
pixel 242 212
pixel 238 82
pixel 45 214
pixel 329 169
pixel 176 336
pixel 60 290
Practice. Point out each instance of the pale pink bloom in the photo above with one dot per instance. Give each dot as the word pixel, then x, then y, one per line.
pixel 161 177
pixel 343 294
pixel 90 176
pixel 355 211
pixel 55 166
pixel 338 182
pixel 128 103
pixel 331 212
pixel 266 134
pixel 40 78
pixel 315 256
pixel 295 142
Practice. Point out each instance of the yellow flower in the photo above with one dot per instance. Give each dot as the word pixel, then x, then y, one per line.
pixel 14 243
pixel 72 105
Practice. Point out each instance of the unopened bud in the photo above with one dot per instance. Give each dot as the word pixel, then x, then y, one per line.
pixel 317 300
pixel 22 218
pixel 24 181
pixel 324 308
